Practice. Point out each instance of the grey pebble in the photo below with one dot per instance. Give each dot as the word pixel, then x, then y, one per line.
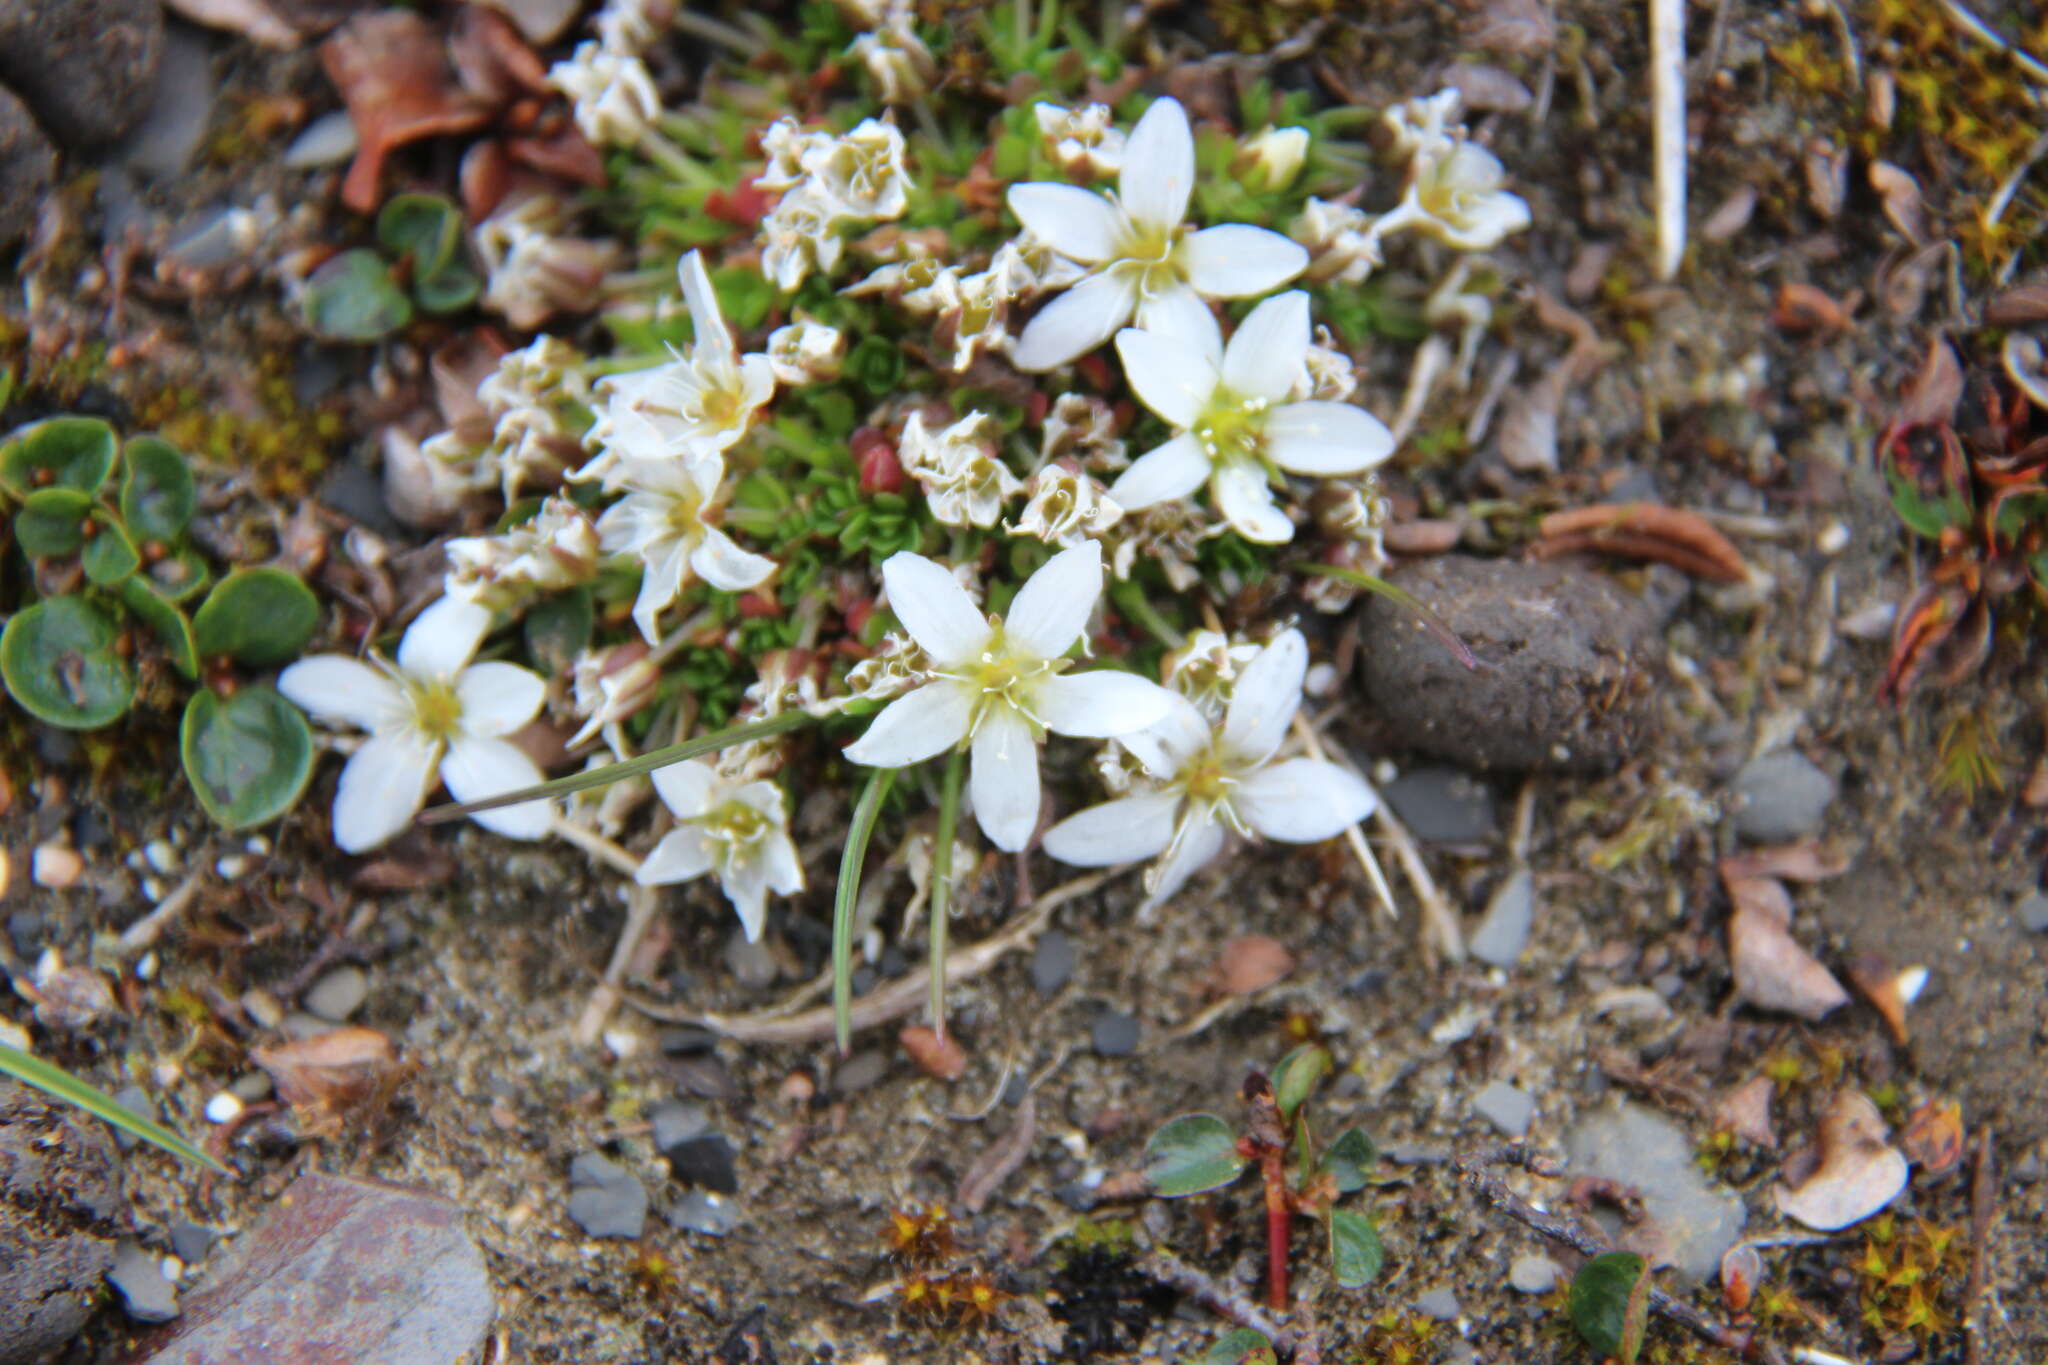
pixel 27 164
pixel 136 1098
pixel 145 1294
pixel 1503 931
pixel 338 994
pixel 705 1212
pixel 299 1026
pixel 1506 1108
pixel 2033 912
pixel 1635 1146
pixel 858 1072
pixel 606 1199
pixel 751 964
pixel 191 1241
pixel 1052 961
pixel 1779 797
pixel 1115 1034
pixel 251 1086
pixel 327 141
pixel 677 1121
pixel 703 1076
pixel 706 1162
pixel 1443 805
pixel 685 1040
pixel 165 141
pixel 1534 1273
pixel 1439 1303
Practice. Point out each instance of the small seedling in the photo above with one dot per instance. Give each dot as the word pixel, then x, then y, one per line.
pixel 366 294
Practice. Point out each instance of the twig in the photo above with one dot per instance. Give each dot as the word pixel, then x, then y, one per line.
pixel 596 845
pixel 1983 1209
pixel 1969 23
pixel 1359 848
pixel 1436 911
pixel 641 902
pixel 892 1001
pixel 1667 91
pixel 150 927
pixel 1163 1267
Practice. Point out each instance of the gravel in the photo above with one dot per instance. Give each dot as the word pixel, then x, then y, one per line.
pixel 606 1199
pixel 138 1275
pixel 2033 912
pixel 1443 805
pixel 338 994
pixel 1506 1108
pixel 1052 962
pixel 676 1122
pixel 705 1212
pixel 706 1162
pixel 1115 1034
pixel 1635 1146
pixel 1780 797
pixel 1503 931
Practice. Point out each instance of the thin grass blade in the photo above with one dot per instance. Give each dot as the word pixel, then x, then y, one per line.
pixel 56 1081
pixel 844 896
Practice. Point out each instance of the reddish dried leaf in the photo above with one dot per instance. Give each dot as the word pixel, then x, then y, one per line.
pixel 1900 193
pixel 1250 963
pixel 1803 308
pixel 1923 626
pixel 1643 530
pixel 392 72
pixel 1765 896
pixel 564 153
pixel 1879 982
pixel 1746 1112
pixel 1933 1137
pixel 1003 1157
pixel 492 61
pixel 2019 306
pixel 1931 395
pixel 934 1055
pixel 1772 971
pixel 1858 1172
pixel 1805 861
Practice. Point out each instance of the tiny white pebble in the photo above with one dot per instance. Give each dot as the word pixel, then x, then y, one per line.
pixel 1911 982
pixel 168 1074
pixel 145 970
pixel 622 1042
pixel 55 866
pixel 14 1035
pixel 1833 537
pixel 1384 772
pixel 153 889
pixel 258 845
pixel 223 1108
pixel 1321 680
pixel 172 1269
pixel 161 857
pixel 133 862
pixel 232 868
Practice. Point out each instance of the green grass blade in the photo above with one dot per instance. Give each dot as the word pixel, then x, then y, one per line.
pixel 63 1085
pixel 865 811
pixel 1436 625
pixel 939 910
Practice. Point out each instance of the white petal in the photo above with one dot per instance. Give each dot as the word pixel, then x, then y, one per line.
pixel 1159 166
pixel 1267 695
pixel 785 874
pixel 1003 778
pixel 1270 349
pixel 1195 846
pixel 1303 800
pixel 442 638
pixel 1179 315
pixel 332 687
pixel 1050 611
pixel 1075 323
pixel 915 726
pixel 1072 221
pixel 725 565
pixel 1171 377
pixel 746 886
pixel 685 788
pixel 1233 261
pixel 1125 831
pixel 660 580
pixel 703 304
pixel 1326 438
pixel 1100 704
pixel 383 786
pixel 1247 504
pixel 1167 745
pixel 477 768
pixel 682 854
pixel 498 698
pixel 934 608
pixel 1162 474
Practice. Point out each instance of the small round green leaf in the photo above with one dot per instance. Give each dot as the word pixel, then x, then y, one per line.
pixel 1355 1251
pixel 59 661
pixel 354 298
pixel 247 757
pixel 1298 1074
pixel 1350 1160
pixel 1245 1346
pixel 425 227
pixel 157 494
pixel 450 289
pixel 558 628
pixel 1603 1303
pixel 165 620
pixel 179 574
pixel 52 522
pixel 61 452
pixel 257 617
pixel 1192 1153
pixel 109 556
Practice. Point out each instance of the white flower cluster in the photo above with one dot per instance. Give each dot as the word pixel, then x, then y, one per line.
pixel 826 180
pixel 902 66
pixel 535 404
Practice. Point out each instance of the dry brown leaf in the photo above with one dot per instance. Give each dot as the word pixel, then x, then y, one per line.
pixel 1746 1112
pixel 1643 530
pixel 1002 1157
pixel 1902 284
pixel 253 19
pixel 1773 972
pixel 1804 308
pixel 324 1077
pixel 2019 306
pixel 1805 861
pixel 1765 896
pixel 1528 427
pixel 1900 193
pixel 1521 28
pixel 1425 537
pixel 938 1056
pixel 1250 963
pixel 1858 1174
pixel 1933 1137
pixel 393 74
pixel 1827 177
pixel 1879 982
pixel 1932 393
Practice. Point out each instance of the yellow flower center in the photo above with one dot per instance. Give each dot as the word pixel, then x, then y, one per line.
pixel 436 710
pixel 1003 675
pixel 1149 254
pixel 735 825
pixel 1232 428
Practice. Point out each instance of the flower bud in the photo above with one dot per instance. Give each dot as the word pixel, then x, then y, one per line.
pixel 1271 159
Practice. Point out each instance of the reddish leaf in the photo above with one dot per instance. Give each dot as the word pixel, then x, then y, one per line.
pixel 392 72
pixel 1643 530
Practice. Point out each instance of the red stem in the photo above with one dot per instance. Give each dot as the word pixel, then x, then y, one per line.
pixel 1278 1223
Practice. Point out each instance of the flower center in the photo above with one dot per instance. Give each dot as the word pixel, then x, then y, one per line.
pixel 1004 675
pixel 1148 253
pixel 686 514
pixel 436 710
pixel 1232 428
pixel 735 825
pixel 1209 781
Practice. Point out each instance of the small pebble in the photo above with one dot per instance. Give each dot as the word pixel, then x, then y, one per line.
pixel 153 889
pixel 263 1007
pixel 2033 912
pixel 232 868
pixel 705 1212
pixel 299 1026
pixel 1115 1034
pixel 858 1072
pixel 706 1162
pixel 1503 931
pixel 1506 1108
pixel 1534 1273
pixel 1780 797
pixel 191 1241
pixel 146 968
pixel 676 1122
pixel 338 994
pixel 606 1199
pixel 1443 805
pixel 685 1040
pixel 138 1274
pixel 1439 1303
pixel 136 1098
pixel 250 1087
pixel 1052 961
pixel 751 964
pixel 258 845
pixel 55 867
pixel 622 1042
pixel 704 1076
pixel 14 1035
pixel 161 857
pixel 327 141
pixel 223 1108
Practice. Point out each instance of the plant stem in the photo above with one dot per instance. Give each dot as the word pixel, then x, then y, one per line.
pixel 1278 1218
pixel 844 896
pixel 940 909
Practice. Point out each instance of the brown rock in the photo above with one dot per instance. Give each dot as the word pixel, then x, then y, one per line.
pixel 27 163
pixel 87 68
pixel 1567 666
pixel 60 1213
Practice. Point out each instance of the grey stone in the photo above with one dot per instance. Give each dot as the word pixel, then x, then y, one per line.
pixel 1439 1303
pixel 1052 961
pixel 1630 1144
pixel 1534 1273
pixel 859 1071
pixel 191 1242
pixel 1115 1034
pixel 703 1076
pixel 2033 912
pixel 685 1040
pixel 1503 931
pixel 299 1026
pixel 751 964
pixel 1568 666
pixel 60 1210
pixel 1779 797
pixel 1443 806
pixel 702 1211
pixel 168 135
pixel 251 1086
pixel 339 1269
pixel 338 994
pixel 606 1199
pixel 1506 1108
pixel 327 141
pixel 138 1275
pixel 676 1122
pixel 706 1162
pixel 88 68
pixel 27 164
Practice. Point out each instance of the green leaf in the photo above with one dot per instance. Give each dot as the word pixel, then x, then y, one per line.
pixel 179 575
pixel 425 227
pixel 866 811
pixel 247 757
pixel 1350 1160
pixel 353 298
pixel 1298 1074
pixel 558 628
pixel 157 494
pixel 1245 1346
pixel 61 452
pixel 1926 513
pixel 63 1085
pixel 109 556
pixel 1355 1251
pixel 450 289
pixel 257 617
pixel 52 522
pixel 1191 1154
pixel 58 660
pixel 1605 1304
pixel 166 620
pixel 745 296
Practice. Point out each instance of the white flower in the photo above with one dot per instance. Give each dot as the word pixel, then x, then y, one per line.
pixel 1205 670
pixel 700 403
pixel 862 171
pixel 1237 429
pixel 433 711
pixel 1083 141
pixel 805 351
pixel 1455 195
pixel 999 685
pixel 738 830
pixel 631 26
pixel 1209 778
pixel 1144 262
pixel 1065 507
pixel 614 97
pixel 1341 239
pixel 1428 123
pixel 531 272
pixel 554 549
pixel 798 236
pixel 610 685
pixel 1275 156
pixel 666 522
pixel 1327 372
pixel 1170 534
pixel 789 147
pixel 902 66
pixel 1083 429
pixel 963 478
